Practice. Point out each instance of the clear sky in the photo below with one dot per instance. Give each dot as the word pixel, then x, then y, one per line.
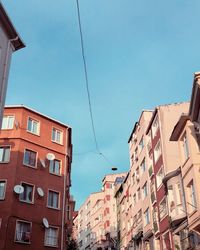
pixel 139 54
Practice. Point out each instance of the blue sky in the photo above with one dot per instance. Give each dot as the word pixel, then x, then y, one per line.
pixel 139 54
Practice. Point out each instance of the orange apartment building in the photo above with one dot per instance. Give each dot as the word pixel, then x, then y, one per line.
pixel 35 167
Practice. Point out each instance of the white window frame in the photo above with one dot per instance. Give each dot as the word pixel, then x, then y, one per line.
pixel 145 190
pixel 53 162
pixel 167 232
pixel 192 196
pixel 38 126
pixel 61 135
pixel 4 191
pixel 186 151
pixel 24 163
pixel 8 128
pixel 7 147
pixel 166 213
pixel 33 193
pixel 20 241
pixel 155 126
pixel 147 217
pixel 157 153
pixel 54 191
pixel 57 236
pixel 158 178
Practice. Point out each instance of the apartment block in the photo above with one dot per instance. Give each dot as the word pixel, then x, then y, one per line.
pixel 164 159
pixel 10 42
pixel 96 223
pixel 35 163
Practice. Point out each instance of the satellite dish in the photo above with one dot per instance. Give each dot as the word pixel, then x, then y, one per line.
pixel 40 191
pixel 42 163
pixel 18 189
pixel 45 222
pixel 50 156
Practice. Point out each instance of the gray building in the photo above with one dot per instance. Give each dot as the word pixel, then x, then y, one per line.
pixel 9 42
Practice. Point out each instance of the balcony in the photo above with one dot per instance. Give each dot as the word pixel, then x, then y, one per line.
pixel 153 197
pixel 151 173
pixel 155 227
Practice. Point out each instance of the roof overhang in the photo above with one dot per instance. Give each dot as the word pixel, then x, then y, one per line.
pixel 179 127
pixel 195 98
pixel 10 29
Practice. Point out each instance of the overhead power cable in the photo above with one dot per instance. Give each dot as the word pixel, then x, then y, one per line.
pixel 87 85
pixel 86 75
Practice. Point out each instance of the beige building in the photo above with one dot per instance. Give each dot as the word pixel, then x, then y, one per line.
pixel 96 222
pixel 9 42
pixel 139 183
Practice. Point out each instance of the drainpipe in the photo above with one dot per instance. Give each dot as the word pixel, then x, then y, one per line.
pixel 4 85
pixel 64 196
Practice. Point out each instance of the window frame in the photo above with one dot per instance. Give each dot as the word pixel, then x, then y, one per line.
pixel 22 221
pixel 145 190
pixel 46 229
pixel 5 186
pixel 61 137
pixel 147 222
pixel 60 168
pixel 192 197
pixel 33 192
pixel 166 214
pixel 11 115
pixel 38 129
pixel 160 184
pixel 59 198
pixel 36 158
pixel 156 158
pixel 6 146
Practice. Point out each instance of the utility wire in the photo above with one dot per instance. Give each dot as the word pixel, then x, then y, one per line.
pixel 86 75
pixel 87 85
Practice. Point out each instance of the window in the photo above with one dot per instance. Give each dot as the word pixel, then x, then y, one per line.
pixel 53 199
pixel 8 122
pixel 139 216
pixel 2 189
pixel 155 127
pixel 143 166
pixel 51 236
pixel 134 199
pixel 147 217
pixel 192 197
pixel 160 175
pixel 55 167
pixel 141 144
pixel 23 232
pixel 138 194
pixel 29 158
pixel 185 147
pixel 33 126
pixel 145 190
pixel 166 241
pixel 157 151
pixel 27 195
pixel 56 136
pixel 4 154
pixel 163 208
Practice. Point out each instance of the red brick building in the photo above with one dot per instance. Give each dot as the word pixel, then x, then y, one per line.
pixel 35 167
